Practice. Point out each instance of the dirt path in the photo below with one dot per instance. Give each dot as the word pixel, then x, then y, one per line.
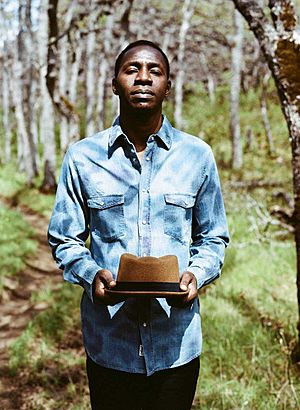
pixel 16 308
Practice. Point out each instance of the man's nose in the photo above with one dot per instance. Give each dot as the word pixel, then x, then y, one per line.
pixel 143 76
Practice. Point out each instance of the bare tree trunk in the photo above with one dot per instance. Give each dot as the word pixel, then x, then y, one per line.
pixel 90 74
pixel 209 77
pixel 187 13
pixel 23 140
pixel 123 41
pixel 107 43
pixel 264 114
pixel 52 75
pixel 280 43
pixel 63 76
pixel 74 132
pixel 47 114
pixel 249 138
pixel 30 91
pixel 235 87
pixel 5 104
pixel 24 154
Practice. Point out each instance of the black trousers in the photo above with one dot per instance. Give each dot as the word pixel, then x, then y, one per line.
pixel 171 389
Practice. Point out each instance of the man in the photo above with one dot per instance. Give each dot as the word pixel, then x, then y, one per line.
pixel 145 188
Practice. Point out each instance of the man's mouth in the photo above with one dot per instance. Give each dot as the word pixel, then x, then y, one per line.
pixel 142 92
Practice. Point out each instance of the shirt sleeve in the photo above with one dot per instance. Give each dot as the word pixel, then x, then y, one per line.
pixel 69 229
pixel 209 229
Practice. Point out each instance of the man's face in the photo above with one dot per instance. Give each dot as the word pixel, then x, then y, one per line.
pixel 142 81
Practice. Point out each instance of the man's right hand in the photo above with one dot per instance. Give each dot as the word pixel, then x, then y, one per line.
pixel 104 280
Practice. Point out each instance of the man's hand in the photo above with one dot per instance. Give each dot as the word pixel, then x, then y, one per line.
pixel 104 280
pixel 187 282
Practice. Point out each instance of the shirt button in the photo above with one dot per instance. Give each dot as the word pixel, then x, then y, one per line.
pixel 143 190
pixel 144 222
pixel 147 158
pixel 151 139
pixel 144 324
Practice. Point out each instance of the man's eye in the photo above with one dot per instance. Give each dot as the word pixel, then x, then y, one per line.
pixel 131 70
pixel 155 71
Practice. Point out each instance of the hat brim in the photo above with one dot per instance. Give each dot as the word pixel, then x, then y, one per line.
pixel 137 293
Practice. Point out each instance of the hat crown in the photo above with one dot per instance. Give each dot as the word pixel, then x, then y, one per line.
pixel 148 268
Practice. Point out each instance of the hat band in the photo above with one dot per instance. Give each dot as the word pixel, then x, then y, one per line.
pixel 147 286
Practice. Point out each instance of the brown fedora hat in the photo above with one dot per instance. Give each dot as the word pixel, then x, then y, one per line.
pixel 147 275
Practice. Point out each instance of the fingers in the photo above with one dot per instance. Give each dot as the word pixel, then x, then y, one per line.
pixel 103 280
pixel 106 279
pixel 188 283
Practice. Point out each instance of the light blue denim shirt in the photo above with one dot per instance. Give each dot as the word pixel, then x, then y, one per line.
pixel 171 203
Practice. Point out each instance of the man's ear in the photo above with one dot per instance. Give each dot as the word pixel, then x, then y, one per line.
pixel 168 89
pixel 114 86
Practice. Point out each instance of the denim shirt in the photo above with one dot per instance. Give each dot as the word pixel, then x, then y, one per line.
pixel 170 203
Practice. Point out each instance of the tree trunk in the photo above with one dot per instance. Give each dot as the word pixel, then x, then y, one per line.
pixel 30 91
pixel 63 76
pixel 25 156
pixel 187 13
pixel 209 77
pixel 74 131
pixel 235 87
pixel 47 114
pixel 265 117
pixel 90 74
pixel 107 43
pixel 5 104
pixel 280 43
pixel 51 76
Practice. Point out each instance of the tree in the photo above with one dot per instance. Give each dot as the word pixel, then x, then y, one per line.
pixel 187 13
pixel 48 31
pixel 235 86
pixel 280 43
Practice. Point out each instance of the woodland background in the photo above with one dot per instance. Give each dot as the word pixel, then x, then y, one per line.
pixel 239 92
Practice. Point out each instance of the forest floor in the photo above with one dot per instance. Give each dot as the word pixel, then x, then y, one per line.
pixel 17 307
pixel 249 316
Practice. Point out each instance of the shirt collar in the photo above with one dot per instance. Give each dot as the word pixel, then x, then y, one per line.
pixel 165 133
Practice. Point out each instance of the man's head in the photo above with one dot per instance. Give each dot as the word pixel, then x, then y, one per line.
pixel 141 77
pixel 139 43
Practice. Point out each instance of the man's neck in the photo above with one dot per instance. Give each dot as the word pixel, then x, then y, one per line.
pixel 139 126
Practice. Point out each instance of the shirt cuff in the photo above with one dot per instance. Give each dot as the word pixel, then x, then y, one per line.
pixel 87 279
pixel 201 276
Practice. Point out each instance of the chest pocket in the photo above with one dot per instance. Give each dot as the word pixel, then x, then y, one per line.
pixel 178 216
pixel 107 216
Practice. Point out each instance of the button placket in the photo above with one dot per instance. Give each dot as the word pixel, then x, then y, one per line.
pixel 144 205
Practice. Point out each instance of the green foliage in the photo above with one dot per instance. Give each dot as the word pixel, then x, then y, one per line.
pixel 11 181
pixel 249 318
pixel 16 243
pixel 13 185
pixel 38 202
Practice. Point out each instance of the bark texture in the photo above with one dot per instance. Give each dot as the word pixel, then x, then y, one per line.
pixel 47 113
pixel 235 87
pixel 187 13
pixel 279 39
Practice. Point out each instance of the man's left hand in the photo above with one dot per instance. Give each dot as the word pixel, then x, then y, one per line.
pixel 187 282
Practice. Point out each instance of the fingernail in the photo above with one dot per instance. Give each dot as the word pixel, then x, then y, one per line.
pixel 183 287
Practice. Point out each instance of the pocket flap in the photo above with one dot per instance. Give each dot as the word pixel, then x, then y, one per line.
pixel 182 200
pixel 107 201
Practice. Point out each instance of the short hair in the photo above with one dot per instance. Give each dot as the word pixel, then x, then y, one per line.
pixel 137 44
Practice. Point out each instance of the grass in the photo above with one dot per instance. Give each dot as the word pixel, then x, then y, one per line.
pixel 249 320
pixel 16 243
pixel 13 186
